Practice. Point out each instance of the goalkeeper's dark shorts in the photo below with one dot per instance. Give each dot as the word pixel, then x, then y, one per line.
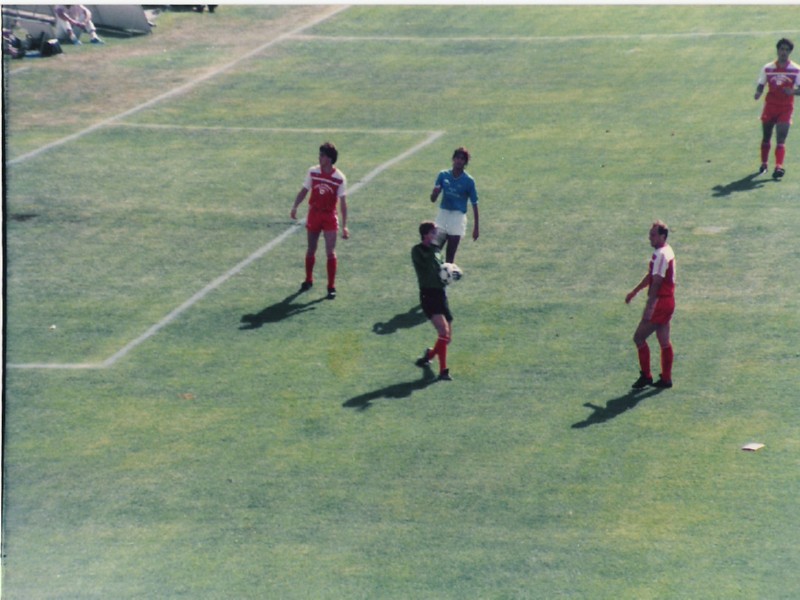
pixel 434 302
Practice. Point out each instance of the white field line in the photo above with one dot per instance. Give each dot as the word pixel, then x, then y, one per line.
pixel 269 129
pixel 536 38
pixel 176 91
pixel 174 314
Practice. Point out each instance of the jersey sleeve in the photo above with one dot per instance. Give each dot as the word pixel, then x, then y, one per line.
pixel 762 76
pixel 439 179
pixel 341 191
pixel 307 180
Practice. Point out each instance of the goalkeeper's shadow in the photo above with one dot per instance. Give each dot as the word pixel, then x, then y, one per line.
pixel 413 317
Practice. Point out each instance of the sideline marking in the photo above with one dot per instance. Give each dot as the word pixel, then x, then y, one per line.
pixel 174 314
pixel 176 91
pixel 269 129
pixel 535 38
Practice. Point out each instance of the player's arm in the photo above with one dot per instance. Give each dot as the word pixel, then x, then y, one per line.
pixel 473 198
pixel 435 193
pixel 343 204
pixel 761 82
pixel 640 286
pixel 300 197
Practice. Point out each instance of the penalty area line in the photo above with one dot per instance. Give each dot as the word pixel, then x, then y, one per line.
pixel 174 314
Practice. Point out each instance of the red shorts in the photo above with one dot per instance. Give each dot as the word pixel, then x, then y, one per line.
pixel 319 220
pixel 777 113
pixel 662 313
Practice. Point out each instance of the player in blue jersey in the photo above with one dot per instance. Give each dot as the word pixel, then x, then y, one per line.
pixel 457 188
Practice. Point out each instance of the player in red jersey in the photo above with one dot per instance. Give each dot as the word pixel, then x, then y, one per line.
pixel 328 187
pixel 783 79
pixel 660 281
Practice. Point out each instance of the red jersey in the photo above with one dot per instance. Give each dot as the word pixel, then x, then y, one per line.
pixel 326 189
pixel 775 78
pixel 663 263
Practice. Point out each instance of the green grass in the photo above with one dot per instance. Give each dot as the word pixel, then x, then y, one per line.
pixel 303 455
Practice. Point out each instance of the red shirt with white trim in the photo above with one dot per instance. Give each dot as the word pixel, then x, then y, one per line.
pixel 326 189
pixel 775 78
pixel 663 263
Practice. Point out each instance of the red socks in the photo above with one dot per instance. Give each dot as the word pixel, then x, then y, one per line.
pixel 666 363
pixel 644 359
pixel 331 268
pixel 331 265
pixel 440 349
pixel 667 356
pixel 310 260
pixel 780 154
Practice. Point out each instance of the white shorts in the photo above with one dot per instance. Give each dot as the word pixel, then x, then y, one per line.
pixel 451 222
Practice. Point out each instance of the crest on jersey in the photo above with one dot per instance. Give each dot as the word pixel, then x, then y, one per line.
pixel 324 188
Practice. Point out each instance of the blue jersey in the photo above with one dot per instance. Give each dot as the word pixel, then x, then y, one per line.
pixel 456 190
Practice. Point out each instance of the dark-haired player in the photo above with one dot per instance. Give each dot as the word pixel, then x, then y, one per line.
pixel 328 186
pixel 427 261
pixel 782 77
pixel 457 187
pixel 660 281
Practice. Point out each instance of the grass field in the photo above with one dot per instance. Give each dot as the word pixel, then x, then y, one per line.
pixel 194 428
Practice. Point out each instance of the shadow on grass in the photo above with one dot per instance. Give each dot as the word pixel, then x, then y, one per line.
pixel 398 390
pixel 278 312
pixel 615 407
pixel 405 320
pixel 746 184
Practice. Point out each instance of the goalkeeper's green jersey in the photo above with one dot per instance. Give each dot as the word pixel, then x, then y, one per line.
pixel 427 263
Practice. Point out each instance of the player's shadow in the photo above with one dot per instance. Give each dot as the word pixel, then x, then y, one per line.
pixel 405 320
pixel 745 184
pixel 615 407
pixel 278 312
pixel 397 390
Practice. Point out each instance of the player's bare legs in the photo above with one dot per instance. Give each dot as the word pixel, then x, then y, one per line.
pixel 452 247
pixel 442 326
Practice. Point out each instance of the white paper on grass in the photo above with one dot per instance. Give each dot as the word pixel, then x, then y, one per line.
pixel 752 446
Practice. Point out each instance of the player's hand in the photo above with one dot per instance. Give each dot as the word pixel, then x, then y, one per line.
pixel 293 214
pixel 629 297
pixel 345 233
pixel 788 91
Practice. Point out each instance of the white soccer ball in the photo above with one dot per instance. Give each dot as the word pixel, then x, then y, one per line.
pixel 450 272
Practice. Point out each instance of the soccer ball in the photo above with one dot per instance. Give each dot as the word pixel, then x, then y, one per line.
pixel 450 272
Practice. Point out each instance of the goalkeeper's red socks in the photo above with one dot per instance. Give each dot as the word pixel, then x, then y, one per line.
pixel 440 350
